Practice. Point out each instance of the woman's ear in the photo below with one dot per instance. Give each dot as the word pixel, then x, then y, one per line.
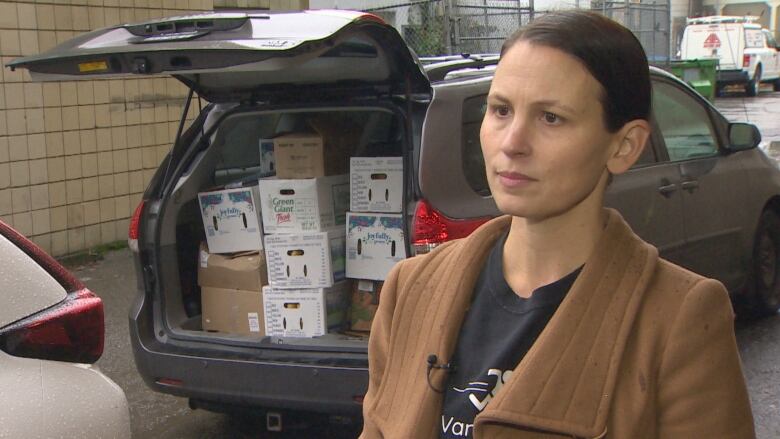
pixel 632 137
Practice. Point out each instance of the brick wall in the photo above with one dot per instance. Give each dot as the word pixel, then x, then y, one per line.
pixel 76 156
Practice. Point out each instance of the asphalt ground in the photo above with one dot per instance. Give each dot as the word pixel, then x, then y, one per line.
pixel 155 415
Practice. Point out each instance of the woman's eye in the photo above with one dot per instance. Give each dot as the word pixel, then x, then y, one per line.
pixel 501 110
pixel 551 118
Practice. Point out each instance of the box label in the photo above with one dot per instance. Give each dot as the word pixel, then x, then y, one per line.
pixel 254 322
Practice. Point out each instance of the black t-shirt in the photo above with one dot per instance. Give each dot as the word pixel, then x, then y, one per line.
pixel 497 332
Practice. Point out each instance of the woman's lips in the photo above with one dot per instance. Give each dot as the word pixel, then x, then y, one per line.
pixel 514 179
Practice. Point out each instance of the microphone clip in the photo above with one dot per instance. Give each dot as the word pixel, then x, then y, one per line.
pixel 433 363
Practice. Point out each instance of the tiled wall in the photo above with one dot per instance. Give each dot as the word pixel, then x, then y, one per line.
pixel 76 156
pixel 274 5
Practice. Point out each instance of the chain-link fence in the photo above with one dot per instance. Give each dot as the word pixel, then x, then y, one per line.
pixel 650 21
pixel 449 27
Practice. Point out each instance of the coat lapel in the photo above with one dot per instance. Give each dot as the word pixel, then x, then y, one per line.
pixel 429 314
pixel 565 383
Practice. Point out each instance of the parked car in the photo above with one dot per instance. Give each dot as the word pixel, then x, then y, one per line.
pixel 747 54
pixel 51 331
pixel 702 192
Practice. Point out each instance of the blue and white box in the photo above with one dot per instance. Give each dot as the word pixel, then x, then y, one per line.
pixel 375 243
pixel 232 220
pixel 267 159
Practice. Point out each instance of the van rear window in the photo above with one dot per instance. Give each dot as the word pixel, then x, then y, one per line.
pixel 241 139
pixel 471 150
pixel 754 38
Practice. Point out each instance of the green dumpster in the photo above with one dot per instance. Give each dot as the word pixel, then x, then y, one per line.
pixel 699 74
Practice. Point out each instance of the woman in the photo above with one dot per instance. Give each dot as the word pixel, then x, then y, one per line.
pixel 556 320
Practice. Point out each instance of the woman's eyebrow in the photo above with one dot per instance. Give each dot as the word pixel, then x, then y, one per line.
pixel 554 103
pixel 497 97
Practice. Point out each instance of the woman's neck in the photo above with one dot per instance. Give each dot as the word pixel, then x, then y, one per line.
pixel 538 253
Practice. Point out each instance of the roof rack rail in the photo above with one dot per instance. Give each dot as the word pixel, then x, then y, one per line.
pixel 458 57
pixel 438 69
pixel 714 19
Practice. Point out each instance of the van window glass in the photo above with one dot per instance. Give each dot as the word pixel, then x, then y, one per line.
pixel 358 132
pixel 471 149
pixel 754 38
pixel 684 123
pixel 770 39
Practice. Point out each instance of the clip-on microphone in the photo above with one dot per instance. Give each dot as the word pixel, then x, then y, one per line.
pixel 432 364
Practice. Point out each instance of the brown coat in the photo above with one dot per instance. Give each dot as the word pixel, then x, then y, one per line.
pixel 639 348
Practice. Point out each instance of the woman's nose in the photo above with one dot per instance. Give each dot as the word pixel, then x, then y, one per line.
pixel 516 138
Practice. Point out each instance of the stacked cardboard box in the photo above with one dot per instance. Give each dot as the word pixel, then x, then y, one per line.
pixel 231 291
pixel 231 266
pixel 303 218
pixel 375 232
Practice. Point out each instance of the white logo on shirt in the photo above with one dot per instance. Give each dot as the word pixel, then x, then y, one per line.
pixel 483 389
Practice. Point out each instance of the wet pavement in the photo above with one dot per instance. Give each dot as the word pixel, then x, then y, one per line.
pixel 158 416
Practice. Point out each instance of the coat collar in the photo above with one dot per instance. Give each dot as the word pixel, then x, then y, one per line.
pixel 565 382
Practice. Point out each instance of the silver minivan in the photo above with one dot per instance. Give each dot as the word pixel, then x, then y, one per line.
pixel 702 192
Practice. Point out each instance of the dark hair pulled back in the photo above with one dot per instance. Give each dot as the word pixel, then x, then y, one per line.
pixel 610 52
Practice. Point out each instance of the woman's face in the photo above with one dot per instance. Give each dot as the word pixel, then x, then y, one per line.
pixel 543 137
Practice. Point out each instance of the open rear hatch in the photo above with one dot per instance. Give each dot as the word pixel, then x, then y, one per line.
pixel 237 57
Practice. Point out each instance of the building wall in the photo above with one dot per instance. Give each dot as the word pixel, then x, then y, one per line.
pixel 752 7
pixel 76 156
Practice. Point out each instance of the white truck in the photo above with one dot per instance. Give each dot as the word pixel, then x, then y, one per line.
pixel 747 54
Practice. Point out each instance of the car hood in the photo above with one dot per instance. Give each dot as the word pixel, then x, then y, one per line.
pixel 239 56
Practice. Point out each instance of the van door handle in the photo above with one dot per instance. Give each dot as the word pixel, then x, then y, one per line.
pixel 690 185
pixel 667 189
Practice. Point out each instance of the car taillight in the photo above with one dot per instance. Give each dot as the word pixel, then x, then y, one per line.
pixel 135 225
pixel 72 330
pixel 745 60
pixel 432 228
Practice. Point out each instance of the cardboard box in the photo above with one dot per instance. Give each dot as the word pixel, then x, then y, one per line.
pixel 232 311
pixel 240 271
pixel 267 158
pixel 305 312
pixel 376 184
pixel 375 242
pixel 305 155
pixel 231 218
pixel 365 301
pixel 305 260
pixel 312 205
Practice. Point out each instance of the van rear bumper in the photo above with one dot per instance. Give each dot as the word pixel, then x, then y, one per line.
pixel 726 77
pixel 200 374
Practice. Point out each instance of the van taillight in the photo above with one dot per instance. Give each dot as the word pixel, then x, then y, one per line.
pixel 72 331
pixel 432 228
pixel 135 225
pixel 745 60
